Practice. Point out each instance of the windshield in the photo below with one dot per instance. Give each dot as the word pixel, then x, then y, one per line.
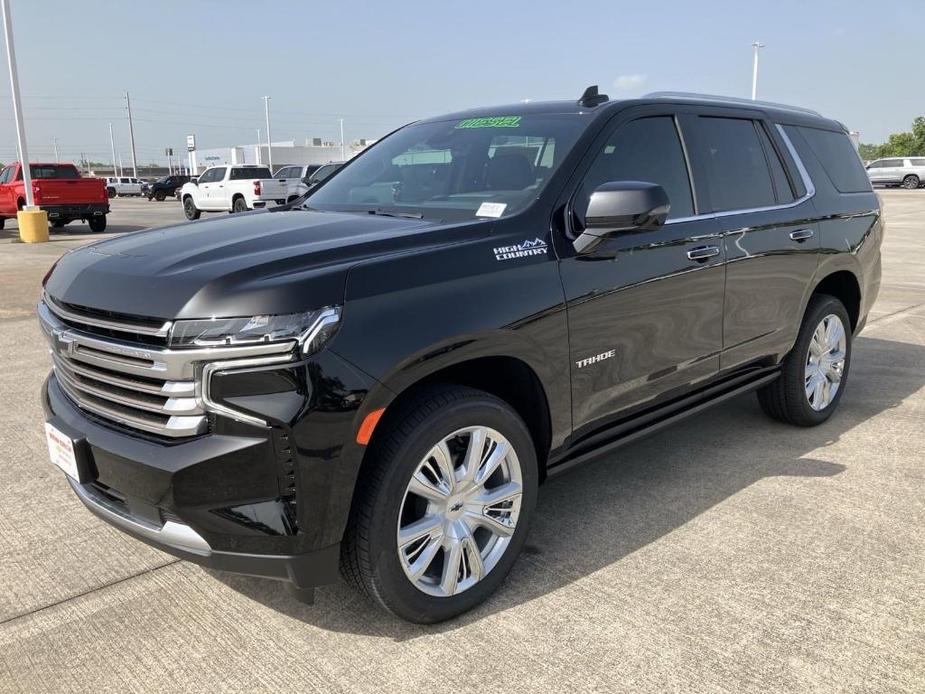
pixel 455 169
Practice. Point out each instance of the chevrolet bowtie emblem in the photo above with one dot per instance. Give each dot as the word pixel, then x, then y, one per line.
pixel 66 342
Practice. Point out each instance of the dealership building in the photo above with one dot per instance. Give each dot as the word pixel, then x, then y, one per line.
pixel 313 151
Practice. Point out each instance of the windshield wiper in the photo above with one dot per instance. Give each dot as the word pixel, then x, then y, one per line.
pixel 395 213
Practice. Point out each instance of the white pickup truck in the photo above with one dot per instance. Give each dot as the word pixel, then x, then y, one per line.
pixel 231 189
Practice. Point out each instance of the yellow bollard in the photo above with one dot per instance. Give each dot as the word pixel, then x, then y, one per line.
pixel 33 225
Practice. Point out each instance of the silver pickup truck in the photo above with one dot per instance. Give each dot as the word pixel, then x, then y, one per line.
pixel 908 172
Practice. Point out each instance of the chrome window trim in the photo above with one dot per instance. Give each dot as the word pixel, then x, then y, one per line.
pixel 801 169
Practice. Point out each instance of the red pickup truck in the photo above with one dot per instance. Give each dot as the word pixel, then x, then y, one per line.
pixel 59 190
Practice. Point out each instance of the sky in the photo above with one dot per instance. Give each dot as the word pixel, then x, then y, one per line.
pixel 203 66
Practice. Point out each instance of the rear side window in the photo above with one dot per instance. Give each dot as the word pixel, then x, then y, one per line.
pixel 778 175
pixel 838 158
pixel 737 169
pixel 649 150
pixel 247 172
pixel 917 162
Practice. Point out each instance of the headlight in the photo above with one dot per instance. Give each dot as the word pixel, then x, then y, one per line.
pixel 311 330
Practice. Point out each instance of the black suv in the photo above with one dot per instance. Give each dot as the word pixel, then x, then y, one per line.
pixel 373 381
pixel 164 187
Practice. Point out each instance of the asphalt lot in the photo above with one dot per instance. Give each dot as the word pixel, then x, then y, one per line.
pixel 728 554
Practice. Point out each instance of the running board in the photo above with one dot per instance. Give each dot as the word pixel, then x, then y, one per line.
pixel 649 423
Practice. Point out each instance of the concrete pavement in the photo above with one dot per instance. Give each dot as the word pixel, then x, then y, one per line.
pixel 727 554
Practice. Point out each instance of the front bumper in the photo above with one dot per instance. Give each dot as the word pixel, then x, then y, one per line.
pixel 304 571
pixel 269 501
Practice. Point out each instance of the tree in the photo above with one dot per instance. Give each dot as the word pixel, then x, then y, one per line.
pixel 904 144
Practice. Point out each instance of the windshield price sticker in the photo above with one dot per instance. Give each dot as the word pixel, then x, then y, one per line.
pixel 491 209
pixel 490 122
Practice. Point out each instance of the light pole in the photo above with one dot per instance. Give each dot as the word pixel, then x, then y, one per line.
pixel 757 45
pixel 343 154
pixel 266 104
pixel 54 141
pixel 131 134
pixel 112 143
pixel 17 105
pixel 257 148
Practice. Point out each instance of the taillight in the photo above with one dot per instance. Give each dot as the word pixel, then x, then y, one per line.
pixel 257 188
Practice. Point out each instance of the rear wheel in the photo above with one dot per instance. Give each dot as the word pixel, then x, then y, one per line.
pixel 911 182
pixel 239 205
pixel 444 505
pixel 97 224
pixel 189 208
pixel 815 373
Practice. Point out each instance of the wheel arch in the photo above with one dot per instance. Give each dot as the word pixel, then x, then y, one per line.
pixel 506 377
pixel 844 286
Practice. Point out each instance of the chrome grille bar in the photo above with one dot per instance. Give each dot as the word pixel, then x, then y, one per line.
pixel 118 326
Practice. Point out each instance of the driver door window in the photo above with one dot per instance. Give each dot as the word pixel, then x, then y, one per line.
pixel 648 149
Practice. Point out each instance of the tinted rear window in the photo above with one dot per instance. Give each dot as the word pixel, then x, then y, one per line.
pixel 53 171
pixel 737 169
pixel 838 158
pixel 250 172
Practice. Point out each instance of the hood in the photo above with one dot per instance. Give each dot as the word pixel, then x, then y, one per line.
pixel 262 262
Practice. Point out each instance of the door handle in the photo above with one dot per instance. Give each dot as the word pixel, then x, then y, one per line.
pixel 802 234
pixel 703 252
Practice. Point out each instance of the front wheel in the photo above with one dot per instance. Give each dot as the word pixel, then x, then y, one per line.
pixel 911 182
pixel 815 373
pixel 97 224
pixel 111 192
pixel 443 506
pixel 189 209
pixel 160 196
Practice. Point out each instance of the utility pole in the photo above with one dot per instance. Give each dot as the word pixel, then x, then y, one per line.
pixel 54 141
pixel 121 170
pixel 112 143
pixel 266 104
pixel 343 155
pixel 257 148
pixel 17 105
pixel 131 134
pixel 757 46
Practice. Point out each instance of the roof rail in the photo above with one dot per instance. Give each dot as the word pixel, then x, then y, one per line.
pixel 738 101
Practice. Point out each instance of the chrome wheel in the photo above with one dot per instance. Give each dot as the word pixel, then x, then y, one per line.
pixel 825 362
pixel 459 511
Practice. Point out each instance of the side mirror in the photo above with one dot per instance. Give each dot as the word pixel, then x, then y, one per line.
pixel 307 180
pixel 622 206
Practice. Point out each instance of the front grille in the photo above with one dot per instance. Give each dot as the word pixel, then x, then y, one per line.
pixel 120 381
pixel 120 369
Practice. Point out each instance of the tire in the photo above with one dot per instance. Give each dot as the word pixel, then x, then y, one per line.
pixel 911 182
pixel 786 399
pixel 2 222
pixel 111 192
pixel 189 209
pixel 59 223
pixel 370 555
pixel 97 224
pixel 160 196
pixel 239 204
